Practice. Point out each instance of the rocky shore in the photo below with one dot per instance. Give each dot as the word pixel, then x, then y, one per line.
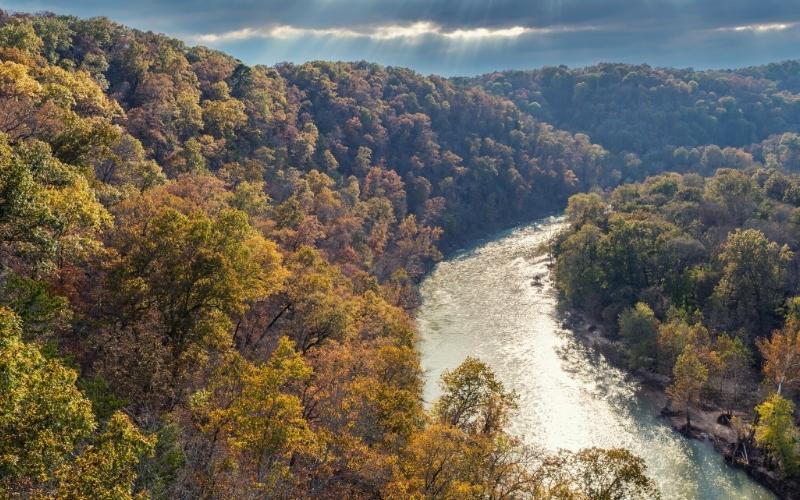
pixel 708 423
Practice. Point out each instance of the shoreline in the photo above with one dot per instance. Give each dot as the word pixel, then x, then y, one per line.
pixel 705 421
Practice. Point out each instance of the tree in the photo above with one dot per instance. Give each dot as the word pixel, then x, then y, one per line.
pixel 751 287
pixel 196 272
pixel 106 469
pixel 736 192
pixel 689 377
pixel 638 327
pixel 49 215
pixel 43 415
pixel 777 432
pixel 732 370
pixel 600 474
pixel 473 400
pixel 673 338
pixel 249 408
pixel 223 117
pixel 433 466
pixel 312 306
pixel 587 209
pixel 19 34
pixel 579 272
pixel 630 249
pixel 782 355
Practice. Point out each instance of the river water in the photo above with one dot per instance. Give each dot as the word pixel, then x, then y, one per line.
pixel 483 303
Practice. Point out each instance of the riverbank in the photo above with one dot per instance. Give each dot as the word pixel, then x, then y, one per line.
pixel 708 423
pixel 482 302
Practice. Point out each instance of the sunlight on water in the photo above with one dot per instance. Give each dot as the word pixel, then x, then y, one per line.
pixel 484 303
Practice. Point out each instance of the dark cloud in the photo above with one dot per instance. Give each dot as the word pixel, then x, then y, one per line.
pixel 469 36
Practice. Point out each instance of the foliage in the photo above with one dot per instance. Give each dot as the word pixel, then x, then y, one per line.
pixel 750 288
pixel 43 415
pixel 229 254
pixel 639 328
pixel 782 355
pixel 689 377
pixel 657 113
pixel 473 400
pixel 603 474
pixel 247 408
pixel 106 468
pixel 777 432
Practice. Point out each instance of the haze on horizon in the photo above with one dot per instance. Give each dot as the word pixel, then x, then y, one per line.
pixel 467 37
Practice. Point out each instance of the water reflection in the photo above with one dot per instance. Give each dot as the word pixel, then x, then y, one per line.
pixel 496 302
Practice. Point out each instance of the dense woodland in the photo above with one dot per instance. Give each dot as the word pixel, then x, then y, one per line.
pixel 657 119
pixel 208 270
pixel 698 278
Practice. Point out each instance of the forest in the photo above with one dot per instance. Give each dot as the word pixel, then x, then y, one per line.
pixel 696 278
pixel 208 270
pixel 207 273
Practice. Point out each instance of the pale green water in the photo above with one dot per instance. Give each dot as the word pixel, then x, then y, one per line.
pixel 482 303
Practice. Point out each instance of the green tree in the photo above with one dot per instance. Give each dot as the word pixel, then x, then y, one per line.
pixel 630 250
pixel 638 328
pixel 777 432
pixel 579 272
pixel 19 34
pixel 43 415
pixel 751 287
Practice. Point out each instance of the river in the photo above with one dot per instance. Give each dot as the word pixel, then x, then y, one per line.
pixel 483 303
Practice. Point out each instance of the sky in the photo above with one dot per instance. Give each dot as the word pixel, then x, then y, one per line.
pixel 467 37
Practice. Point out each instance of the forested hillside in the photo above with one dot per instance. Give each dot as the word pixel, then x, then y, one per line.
pixel 664 119
pixel 697 279
pixel 206 272
pixel 208 269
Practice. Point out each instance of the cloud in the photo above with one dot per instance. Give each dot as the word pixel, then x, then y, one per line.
pixel 467 36
pixel 412 31
pixel 762 28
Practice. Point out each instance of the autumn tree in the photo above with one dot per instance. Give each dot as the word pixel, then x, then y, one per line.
pixel 689 376
pixel 107 467
pixel 254 419
pixel 585 209
pixel 781 355
pixel 473 400
pixel 602 474
pixel 314 305
pixel 674 336
pixel 196 272
pixel 49 216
